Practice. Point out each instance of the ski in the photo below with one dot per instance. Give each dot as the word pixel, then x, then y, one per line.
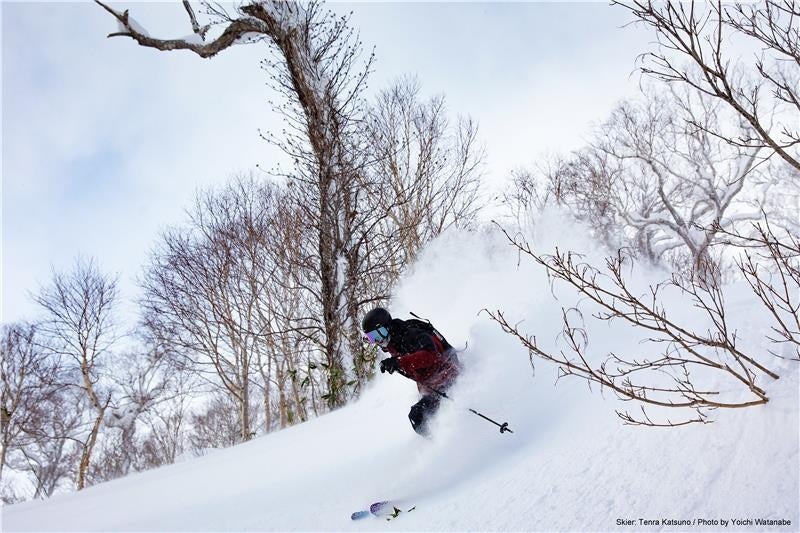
pixel 381 509
pixel 374 510
pixel 378 508
pixel 358 515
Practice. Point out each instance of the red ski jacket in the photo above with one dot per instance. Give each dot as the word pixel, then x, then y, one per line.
pixel 423 356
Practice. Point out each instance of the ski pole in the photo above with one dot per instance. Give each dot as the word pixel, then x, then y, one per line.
pixel 503 427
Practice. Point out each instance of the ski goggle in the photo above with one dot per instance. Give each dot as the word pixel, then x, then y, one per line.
pixel 377 335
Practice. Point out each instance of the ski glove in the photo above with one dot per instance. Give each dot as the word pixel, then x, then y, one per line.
pixel 390 365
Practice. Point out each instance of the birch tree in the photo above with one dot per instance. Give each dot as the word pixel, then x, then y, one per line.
pixel 427 170
pixel 41 416
pixel 23 381
pixel 53 444
pixel 30 378
pixel 188 301
pixel 267 242
pixel 78 323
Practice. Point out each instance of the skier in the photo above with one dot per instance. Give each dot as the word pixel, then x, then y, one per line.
pixel 418 352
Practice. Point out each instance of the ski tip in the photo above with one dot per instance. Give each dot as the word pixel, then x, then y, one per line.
pixel 358 515
pixel 377 506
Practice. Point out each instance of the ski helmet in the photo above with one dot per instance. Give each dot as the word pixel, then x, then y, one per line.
pixel 376 318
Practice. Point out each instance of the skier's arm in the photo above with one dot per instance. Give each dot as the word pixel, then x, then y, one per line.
pixel 418 360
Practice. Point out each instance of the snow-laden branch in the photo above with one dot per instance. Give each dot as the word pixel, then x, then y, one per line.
pixel 232 33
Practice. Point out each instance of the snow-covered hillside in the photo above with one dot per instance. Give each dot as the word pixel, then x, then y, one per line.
pixel 569 465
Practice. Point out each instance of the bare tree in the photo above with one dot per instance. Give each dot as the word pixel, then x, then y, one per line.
pixel 217 426
pixel 665 380
pixel 36 427
pixel 41 417
pixel 686 180
pixel 268 245
pixel 187 302
pixel 653 181
pixel 167 439
pixel 321 73
pixel 329 191
pixel 427 171
pixel 678 173
pixel 23 379
pixel 53 443
pixel 144 377
pixel 79 308
pixel 581 183
pixel 703 34
pixel 233 294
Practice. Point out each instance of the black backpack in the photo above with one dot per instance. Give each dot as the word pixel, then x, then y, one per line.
pixel 425 325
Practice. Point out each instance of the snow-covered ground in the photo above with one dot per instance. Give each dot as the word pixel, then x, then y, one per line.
pixel 569 465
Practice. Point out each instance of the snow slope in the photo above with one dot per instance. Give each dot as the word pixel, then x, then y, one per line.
pixel 570 465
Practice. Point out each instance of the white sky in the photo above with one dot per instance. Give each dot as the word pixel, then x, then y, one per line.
pixel 105 142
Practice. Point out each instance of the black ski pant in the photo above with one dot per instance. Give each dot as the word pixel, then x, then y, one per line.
pixel 422 412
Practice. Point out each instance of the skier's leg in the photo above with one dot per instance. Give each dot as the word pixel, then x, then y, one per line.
pixel 422 412
pixel 418 419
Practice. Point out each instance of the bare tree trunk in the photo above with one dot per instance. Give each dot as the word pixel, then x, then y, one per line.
pixel 88 448
pixel 282 401
pixel 267 381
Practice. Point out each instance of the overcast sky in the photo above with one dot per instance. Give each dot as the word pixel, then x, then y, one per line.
pixel 105 143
